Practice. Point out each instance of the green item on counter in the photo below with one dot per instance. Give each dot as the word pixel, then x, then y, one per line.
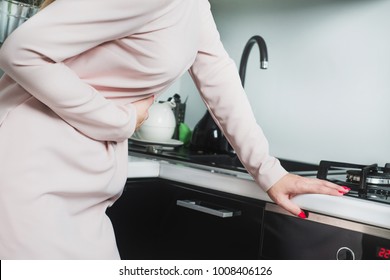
pixel 185 133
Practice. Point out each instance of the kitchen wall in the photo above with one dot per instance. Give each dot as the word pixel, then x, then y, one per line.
pixel 327 90
pixel 326 93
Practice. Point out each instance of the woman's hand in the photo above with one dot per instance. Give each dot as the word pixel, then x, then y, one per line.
pixel 142 107
pixel 291 185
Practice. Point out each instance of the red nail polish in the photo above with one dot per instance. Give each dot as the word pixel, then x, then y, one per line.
pixel 346 188
pixel 302 215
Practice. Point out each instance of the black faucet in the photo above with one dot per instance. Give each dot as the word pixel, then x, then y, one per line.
pixel 245 54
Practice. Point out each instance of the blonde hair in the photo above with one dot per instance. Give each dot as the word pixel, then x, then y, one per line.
pixel 46 3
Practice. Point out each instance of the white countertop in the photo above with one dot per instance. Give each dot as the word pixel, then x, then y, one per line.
pixel 349 208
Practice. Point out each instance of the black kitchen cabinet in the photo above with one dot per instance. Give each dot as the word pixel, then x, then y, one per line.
pixel 150 222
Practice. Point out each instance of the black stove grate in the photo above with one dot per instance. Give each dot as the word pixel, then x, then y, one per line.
pixel 365 181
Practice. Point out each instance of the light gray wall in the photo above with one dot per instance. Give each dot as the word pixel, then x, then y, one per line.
pixel 327 90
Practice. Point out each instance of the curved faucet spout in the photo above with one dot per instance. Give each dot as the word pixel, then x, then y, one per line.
pixel 245 55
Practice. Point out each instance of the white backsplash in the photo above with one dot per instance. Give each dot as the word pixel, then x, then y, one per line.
pixel 326 93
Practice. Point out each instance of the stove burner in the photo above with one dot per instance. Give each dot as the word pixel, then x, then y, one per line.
pixel 373 178
pixel 366 181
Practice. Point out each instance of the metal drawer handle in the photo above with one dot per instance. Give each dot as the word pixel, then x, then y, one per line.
pixel 194 205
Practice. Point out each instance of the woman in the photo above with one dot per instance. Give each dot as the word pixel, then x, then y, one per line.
pixel 79 78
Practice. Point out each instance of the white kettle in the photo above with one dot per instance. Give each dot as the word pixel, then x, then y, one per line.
pixel 161 123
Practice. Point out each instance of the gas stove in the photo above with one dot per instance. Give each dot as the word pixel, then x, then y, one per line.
pixel 371 182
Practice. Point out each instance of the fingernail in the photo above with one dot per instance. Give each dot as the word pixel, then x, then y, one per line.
pixel 302 215
pixel 346 188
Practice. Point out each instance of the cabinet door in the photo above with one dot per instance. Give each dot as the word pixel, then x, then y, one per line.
pixel 167 220
pixel 136 217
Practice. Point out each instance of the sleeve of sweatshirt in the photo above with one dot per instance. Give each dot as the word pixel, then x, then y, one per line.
pixel 216 77
pixel 34 53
